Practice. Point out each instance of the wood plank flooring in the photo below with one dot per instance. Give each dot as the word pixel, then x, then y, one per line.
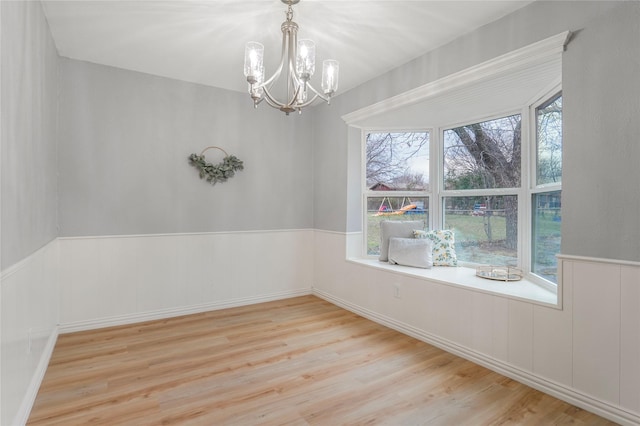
pixel 299 361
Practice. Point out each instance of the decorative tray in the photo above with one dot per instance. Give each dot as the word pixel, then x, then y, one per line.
pixel 499 273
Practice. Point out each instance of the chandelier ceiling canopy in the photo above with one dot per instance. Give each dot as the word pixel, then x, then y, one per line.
pixel 298 60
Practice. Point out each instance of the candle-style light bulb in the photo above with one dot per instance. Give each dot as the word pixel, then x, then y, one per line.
pixel 253 61
pixel 306 59
pixel 330 70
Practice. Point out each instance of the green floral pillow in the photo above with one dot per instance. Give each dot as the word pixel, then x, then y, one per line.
pixel 444 251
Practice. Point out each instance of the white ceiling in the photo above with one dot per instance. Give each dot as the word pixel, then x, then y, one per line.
pixel 203 41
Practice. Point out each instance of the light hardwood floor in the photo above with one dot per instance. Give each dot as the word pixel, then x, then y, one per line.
pixel 299 361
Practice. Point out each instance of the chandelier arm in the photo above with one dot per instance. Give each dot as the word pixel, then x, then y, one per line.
pixel 274 77
pixel 293 43
pixel 294 75
pixel 318 94
pixel 277 73
pixel 307 103
pixel 294 98
pixel 271 100
pixel 288 46
pixel 291 98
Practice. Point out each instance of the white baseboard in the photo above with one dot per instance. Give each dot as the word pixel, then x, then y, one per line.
pixel 564 393
pixel 175 312
pixel 32 391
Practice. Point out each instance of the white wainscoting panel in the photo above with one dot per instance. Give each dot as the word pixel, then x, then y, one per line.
pixel 500 327
pixel 455 318
pixel 630 338
pixel 586 353
pixel 521 334
pixel 481 326
pixel 596 329
pixel 552 347
pixel 28 320
pixel 116 280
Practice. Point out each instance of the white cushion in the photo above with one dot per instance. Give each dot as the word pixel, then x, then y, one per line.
pixel 396 228
pixel 411 252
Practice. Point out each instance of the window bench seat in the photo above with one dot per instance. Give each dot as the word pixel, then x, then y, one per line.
pixel 465 277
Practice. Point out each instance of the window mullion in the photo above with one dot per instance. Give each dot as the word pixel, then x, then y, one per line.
pixel 436 180
pixel 480 192
pixel 546 188
pixel 524 200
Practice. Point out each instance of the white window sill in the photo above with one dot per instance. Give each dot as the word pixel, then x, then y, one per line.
pixel 464 277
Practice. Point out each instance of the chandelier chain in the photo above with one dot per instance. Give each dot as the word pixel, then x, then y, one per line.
pixel 289 13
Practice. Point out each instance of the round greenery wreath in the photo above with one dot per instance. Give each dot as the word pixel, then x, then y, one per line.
pixel 215 173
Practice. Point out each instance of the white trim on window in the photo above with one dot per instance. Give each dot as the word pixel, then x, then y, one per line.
pixel 542 51
pixel 533 188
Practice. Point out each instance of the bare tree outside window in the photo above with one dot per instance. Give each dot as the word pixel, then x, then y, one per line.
pixel 487 155
pixel 549 139
pixel 483 155
pixel 399 161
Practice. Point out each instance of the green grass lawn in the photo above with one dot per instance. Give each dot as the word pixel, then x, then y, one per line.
pixel 546 245
pixel 471 229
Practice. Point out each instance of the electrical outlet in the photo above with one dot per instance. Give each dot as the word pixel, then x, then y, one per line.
pixel 396 290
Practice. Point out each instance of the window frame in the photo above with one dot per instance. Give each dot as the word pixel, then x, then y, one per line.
pixel 367 193
pixel 515 191
pixel 437 194
pixel 534 188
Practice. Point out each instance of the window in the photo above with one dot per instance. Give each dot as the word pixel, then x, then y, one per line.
pixel 546 193
pixel 477 186
pixel 549 142
pixel 485 228
pixel 397 181
pixel 484 158
pixel 502 196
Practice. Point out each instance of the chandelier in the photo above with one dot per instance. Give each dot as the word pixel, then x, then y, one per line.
pixel 299 59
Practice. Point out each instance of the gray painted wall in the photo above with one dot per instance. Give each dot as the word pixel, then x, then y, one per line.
pixel 29 89
pixel 124 142
pixel 601 96
pixel 124 138
pixel 601 176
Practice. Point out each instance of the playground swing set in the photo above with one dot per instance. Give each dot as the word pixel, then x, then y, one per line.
pixel 407 207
